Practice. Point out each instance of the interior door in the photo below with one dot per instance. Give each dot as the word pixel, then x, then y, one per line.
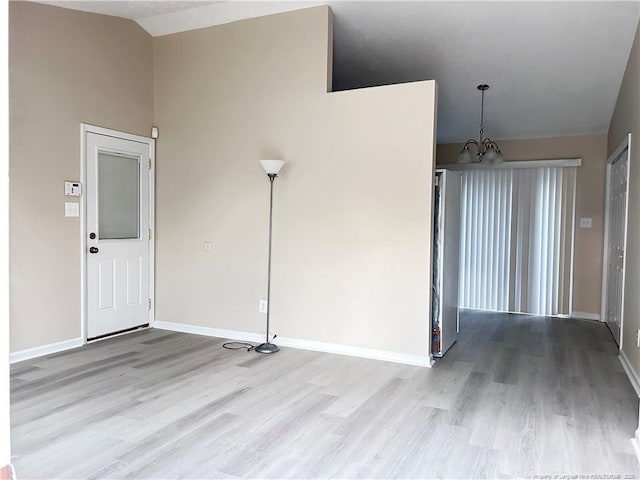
pixel 616 235
pixel 117 229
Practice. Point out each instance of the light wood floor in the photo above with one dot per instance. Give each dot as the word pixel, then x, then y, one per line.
pixel 517 396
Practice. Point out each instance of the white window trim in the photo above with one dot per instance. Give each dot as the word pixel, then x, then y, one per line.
pixel 563 162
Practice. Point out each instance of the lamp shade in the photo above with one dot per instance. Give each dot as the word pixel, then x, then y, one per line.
pixel 465 156
pixel 492 155
pixel 272 167
pixel 489 155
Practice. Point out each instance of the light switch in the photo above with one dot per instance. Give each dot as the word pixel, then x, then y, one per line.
pixel 71 209
pixel 73 189
pixel 585 223
pixel 207 246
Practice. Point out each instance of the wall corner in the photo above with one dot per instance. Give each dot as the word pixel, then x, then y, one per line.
pixel 329 50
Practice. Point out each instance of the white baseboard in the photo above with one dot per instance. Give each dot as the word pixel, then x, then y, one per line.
pixel 585 315
pixel 631 373
pixel 210 332
pixel 635 441
pixel 21 355
pixel 352 351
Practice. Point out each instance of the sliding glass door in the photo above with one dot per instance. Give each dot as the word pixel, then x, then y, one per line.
pixel 517 234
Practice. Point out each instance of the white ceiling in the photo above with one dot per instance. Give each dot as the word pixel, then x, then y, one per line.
pixel 554 67
pixel 133 9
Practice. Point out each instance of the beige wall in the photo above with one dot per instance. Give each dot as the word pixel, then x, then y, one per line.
pixel 626 119
pixel 65 67
pixel 5 437
pixel 352 206
pixel 590 192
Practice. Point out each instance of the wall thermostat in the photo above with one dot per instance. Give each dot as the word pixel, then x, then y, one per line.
pixel 73 189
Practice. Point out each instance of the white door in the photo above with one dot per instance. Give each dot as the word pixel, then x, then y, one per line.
pixel 117 229
pixel 616 236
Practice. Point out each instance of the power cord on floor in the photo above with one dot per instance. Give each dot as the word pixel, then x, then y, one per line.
pixel 242 345
pixel 238 346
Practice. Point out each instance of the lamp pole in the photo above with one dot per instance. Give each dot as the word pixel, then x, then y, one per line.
pixel 269 347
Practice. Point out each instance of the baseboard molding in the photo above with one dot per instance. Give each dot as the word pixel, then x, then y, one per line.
pixel 630 371
pixel 352 351
pixel 301 344
pixel 635 442
pixel 43 350
pixel 585 315
pixel 209 331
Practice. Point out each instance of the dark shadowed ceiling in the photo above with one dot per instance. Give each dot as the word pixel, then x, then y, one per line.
pixel 554 67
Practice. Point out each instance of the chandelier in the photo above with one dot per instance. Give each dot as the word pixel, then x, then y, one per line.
pixel 488 150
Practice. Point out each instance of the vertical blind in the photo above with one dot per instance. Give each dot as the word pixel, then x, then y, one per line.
pixel 516 239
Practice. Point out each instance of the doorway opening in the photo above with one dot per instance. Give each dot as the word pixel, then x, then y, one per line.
pixel 516 252
pixel 615 240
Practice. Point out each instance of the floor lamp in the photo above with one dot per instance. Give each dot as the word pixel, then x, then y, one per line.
pixel 272 167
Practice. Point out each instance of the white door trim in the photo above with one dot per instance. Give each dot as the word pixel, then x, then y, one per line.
pixel 84 129
pixel 626 143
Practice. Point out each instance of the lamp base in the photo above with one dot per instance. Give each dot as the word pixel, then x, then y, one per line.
pixel 267 348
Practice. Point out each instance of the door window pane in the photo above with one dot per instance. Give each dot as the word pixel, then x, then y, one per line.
pixel 118 196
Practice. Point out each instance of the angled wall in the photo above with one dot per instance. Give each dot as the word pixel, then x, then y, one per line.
pixel 352 221
pixel 5 437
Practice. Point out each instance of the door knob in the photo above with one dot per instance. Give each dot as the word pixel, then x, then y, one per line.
pixel 93 250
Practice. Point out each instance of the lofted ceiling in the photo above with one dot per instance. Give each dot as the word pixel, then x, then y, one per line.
pixel 554 67
pixel 132 9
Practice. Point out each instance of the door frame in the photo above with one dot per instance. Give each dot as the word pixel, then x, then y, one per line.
pixel 86 128
pixel 625 144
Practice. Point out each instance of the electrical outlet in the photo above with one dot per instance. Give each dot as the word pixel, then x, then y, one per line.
pixel 207 246
pixel 638 338
pixel 262 307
